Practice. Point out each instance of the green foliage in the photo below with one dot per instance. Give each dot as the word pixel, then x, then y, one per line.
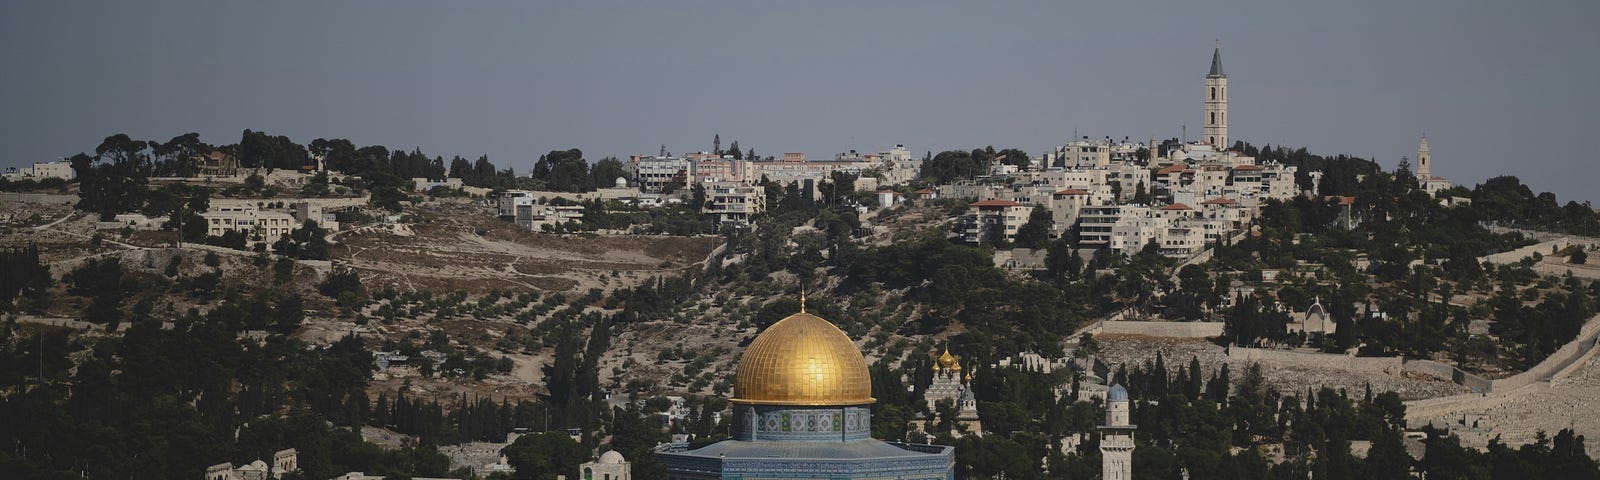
pixel 1036 232
pixel 26 283
pixel 542 456
pixel 952 165
pixel 306 243
pixel 340 281
pixel 566 171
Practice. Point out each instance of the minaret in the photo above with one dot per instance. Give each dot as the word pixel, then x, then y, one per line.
pixel 1116 437
pixel 1424 161
pixel 1217 102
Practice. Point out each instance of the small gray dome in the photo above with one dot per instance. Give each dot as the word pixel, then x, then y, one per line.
pixel 611 457
pixel 1117 394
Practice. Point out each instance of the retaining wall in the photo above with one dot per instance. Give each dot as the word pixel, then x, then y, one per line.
pixel 1161 329
pixel 1556 362
pixel 1543 248
pixel 1448 373
pixel 49 198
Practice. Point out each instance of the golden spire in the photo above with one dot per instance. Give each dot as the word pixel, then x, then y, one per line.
pixel 802 299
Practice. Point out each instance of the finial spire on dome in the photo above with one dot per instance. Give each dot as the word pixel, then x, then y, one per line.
pixel 802 299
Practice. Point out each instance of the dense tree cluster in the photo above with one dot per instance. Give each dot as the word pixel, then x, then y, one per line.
pixel 166 402
pixel 26 284
pixel 1420 254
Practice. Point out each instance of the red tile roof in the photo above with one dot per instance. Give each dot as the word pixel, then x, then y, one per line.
pixel 1248 168
pixel 1073 191
pixel 1176 207
pixel 1343 200
pixel 996 203
pixel 925 191
pixel 1174 168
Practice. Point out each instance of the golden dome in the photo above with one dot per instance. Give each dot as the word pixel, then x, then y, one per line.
pixel 802 360
pixel 948 361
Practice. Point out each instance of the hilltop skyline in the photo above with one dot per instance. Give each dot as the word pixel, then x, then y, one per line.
pixel 1485 82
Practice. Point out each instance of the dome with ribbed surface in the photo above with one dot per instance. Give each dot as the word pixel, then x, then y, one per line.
pixel 1117 394
pixel 802 360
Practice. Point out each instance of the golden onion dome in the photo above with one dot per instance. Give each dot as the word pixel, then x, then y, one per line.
pixel 956 368
pixel 804 361
pixel 948 361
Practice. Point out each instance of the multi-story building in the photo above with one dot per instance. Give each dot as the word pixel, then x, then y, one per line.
pixel 734 203
pixel 506 205
pixel 1097 223
pixel 41 171
pixel 657 174
pixel 535 216
pixel 1081 154
pixel 993 217
pixel 255 223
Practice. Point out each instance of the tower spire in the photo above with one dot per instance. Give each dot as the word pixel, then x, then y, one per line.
pixel 802 299
pixel 1216 61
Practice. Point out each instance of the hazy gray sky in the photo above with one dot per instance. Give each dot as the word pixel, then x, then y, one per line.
pixel 1499 88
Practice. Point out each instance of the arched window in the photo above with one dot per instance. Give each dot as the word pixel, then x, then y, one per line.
pixel 1213 118
pixel 1213 93
pixel 588 473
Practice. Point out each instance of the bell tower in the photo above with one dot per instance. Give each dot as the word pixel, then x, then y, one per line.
pixel 1424 161
pixel 1216 130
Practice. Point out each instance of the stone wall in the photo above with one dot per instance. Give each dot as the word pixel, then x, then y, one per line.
pixel 1448 373
pixel 1384 365
pixel 325 203
pixel 1161 329
pixel 47 198
pixel 1543 248
pixel 1504 390
pixel 1562 358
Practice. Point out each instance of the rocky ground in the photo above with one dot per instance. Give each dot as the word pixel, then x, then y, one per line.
pixel 1518 416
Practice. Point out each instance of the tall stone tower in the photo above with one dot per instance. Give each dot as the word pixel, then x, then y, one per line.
pixel 1424 161
pixel 1116 437
pixel 1217 102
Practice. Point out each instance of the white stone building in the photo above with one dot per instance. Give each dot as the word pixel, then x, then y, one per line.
pixel 734 203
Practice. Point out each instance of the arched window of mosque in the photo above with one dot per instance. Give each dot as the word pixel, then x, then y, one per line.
pixel 588 473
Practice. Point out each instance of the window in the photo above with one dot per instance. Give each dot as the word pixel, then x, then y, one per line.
pixel 1213 93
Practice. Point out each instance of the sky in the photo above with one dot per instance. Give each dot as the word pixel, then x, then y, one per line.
pixel 1499 88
